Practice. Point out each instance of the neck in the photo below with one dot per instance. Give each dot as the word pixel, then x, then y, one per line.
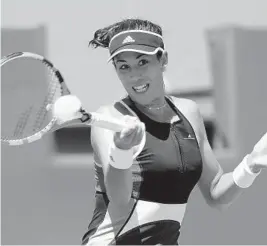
pixel 157 109
pixel 156 106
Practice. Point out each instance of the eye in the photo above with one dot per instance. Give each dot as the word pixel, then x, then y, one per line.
pixel 143 62
pixel 124 67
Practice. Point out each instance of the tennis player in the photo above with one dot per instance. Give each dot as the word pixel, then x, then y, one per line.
pixel 141 199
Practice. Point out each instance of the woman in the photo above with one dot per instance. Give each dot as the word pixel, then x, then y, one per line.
pixel 142 189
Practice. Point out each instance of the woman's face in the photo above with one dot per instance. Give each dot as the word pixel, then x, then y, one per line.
pixel 141 76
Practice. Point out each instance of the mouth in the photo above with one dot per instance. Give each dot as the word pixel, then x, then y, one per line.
pixel 141 88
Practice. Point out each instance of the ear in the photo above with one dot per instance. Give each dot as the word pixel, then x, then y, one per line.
pixel 164 59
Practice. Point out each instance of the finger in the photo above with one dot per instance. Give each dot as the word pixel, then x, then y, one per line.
pixel 135 137
pixel 134 134
pixel 139 134
pixel 130 120
pixel 122 141
pixel 132 123
pixel 126 132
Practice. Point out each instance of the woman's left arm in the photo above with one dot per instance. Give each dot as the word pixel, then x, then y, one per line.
pixel 218 188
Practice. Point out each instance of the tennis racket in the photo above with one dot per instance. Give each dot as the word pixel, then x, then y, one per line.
pixel 35 101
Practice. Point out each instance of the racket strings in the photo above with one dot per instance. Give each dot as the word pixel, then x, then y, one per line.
pixel 49 99
pixel 22 122
pixel 28 95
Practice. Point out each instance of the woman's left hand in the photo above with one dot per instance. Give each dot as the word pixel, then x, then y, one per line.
pixel 258 156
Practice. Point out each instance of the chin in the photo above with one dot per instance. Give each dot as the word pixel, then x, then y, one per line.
pixel 144 99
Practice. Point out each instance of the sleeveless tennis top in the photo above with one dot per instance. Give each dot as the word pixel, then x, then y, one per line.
pixel 164 174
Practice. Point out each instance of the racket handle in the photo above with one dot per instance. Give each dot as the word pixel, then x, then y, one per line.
pixel 107 122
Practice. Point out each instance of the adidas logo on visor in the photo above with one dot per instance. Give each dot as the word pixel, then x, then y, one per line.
pixel 128 39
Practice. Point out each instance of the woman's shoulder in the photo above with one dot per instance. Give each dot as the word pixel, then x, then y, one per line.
pixel 186 106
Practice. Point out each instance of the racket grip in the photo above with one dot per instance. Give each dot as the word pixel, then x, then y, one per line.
pixel 107 122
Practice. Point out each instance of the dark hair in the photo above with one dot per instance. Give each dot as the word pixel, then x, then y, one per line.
pixel 103 36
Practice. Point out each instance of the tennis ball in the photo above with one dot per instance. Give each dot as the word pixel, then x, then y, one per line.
pixel 67 107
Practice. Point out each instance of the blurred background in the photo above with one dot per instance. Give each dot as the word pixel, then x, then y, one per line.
pixel 217 57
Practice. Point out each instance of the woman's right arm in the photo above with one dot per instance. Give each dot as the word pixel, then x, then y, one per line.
pixel 118 182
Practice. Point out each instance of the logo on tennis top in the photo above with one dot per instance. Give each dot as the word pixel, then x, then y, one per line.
pixel 128 39
pixel 189 137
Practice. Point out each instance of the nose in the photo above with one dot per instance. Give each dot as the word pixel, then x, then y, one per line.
pixel 136 74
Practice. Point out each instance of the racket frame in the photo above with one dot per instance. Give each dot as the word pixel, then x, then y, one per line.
pixel 63 91
pixel 96 119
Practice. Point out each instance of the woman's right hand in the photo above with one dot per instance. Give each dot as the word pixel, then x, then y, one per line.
pixel 131 135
